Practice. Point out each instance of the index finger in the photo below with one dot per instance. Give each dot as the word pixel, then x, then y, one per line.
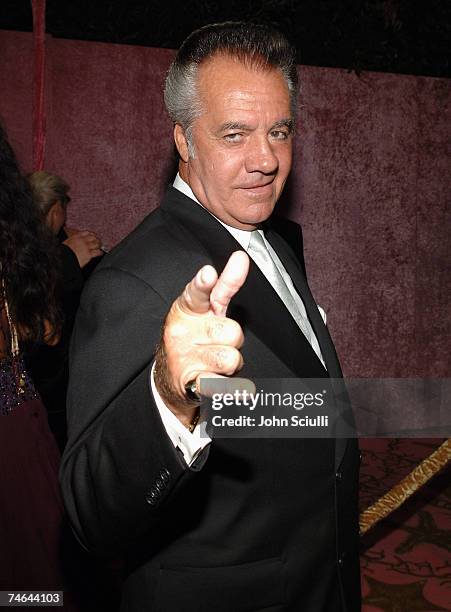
pixel 230 282
pixel 195 298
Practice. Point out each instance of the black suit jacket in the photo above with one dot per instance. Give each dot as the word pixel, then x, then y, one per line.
pixel 254 524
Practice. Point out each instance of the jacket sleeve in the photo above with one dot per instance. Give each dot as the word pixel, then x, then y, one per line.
pixel 120 469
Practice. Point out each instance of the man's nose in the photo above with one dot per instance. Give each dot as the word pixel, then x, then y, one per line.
pixel 261 157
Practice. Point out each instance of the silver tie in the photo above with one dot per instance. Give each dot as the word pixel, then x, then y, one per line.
pixel 260 254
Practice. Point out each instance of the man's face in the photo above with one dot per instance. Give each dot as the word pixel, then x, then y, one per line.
pixel 242 141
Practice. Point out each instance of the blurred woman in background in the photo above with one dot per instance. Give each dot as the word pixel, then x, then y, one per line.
pixel 78 253
pixel 37 550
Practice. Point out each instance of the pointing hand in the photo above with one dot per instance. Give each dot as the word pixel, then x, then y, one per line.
pixel 198 339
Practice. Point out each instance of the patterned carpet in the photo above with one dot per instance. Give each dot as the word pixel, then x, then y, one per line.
pixel 406 559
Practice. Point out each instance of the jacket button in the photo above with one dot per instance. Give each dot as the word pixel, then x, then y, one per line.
pixel 339 476
pixel 360 456
pixel 159 484
pixel 165 475
pixel 152 496
pixel 341 558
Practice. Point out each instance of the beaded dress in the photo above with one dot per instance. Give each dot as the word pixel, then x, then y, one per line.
pixel 31 510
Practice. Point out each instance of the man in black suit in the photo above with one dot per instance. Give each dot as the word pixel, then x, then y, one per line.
pixel 224 525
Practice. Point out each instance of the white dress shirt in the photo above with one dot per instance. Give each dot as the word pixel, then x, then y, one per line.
pixel 192 443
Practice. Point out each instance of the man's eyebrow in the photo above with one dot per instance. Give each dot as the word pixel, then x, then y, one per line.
pixel 233 125
pixel 289 123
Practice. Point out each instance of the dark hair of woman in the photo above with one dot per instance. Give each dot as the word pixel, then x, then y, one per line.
pixel 28 257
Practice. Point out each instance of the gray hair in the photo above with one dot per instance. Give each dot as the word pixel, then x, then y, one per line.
pixel 47 189
pixel 181 98
pixel 255 45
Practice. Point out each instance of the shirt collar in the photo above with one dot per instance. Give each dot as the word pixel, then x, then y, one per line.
pixel 241 236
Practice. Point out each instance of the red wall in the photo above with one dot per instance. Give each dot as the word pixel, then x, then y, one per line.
pixel 370 184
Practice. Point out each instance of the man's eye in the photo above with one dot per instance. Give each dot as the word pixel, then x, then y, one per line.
pixel 279 135
pixel 233 137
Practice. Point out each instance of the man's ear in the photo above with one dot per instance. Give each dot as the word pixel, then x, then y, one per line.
pixel 53 218
pixel 180 142
pixel 50 217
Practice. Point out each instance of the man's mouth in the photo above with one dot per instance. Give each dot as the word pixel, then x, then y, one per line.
pixel 259 190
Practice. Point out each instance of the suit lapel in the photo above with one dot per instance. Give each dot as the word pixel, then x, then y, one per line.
pixel 289 260
pixel 291 265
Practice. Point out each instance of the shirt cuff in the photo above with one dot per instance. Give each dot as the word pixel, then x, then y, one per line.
pixel 191 444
